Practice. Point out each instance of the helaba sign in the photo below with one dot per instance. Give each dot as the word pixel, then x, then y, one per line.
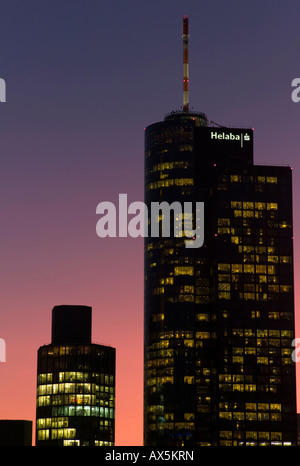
pixel 229 136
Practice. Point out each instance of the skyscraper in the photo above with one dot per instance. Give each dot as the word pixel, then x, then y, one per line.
pixel 75 384
pixel 219 319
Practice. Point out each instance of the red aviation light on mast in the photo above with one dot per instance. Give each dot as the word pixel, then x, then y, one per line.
pixel 185 36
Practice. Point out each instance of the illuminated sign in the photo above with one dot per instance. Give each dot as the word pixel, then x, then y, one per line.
pixel 229 136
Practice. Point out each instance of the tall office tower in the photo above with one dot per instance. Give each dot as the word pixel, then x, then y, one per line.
pixel 219 318
pixel 75 384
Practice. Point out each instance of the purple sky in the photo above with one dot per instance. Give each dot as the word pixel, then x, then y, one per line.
pixel 83 80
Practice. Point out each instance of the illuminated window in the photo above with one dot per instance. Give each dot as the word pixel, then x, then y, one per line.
pixel 263 416
pixel 247 249
pixel 261 269
pixel 167 281
pixel 284 224
pixel 202 335
pixel 167 166
pixel 271 269
pixel 170 182
pixel 187 289
pixel 238 416
pixel 276 436
pixel 224 295
pixel 264 435
pixel 260 205
pixel 237 213
pixel 273 288
pixel 189 416
pixel 225 415
pixel 224 378
pixel 236 268
pixel 224 231
pixel 263 406
pixel 186 147
pixel 272 206
pixel 238 387
pixel 271 179
pixel 204 317
pixel 286 288
pixel 238 332
pixel 259 214
pixel 237 359
pixel 184 270
pixel 222 286
pixel 250 406
pixel 286 259
pixel 251 435
pixel 158 317
pixel 224 267
pixel 250 387
pixel 273 259
pixel 43 434
pixel 262 360
pixel 249 268
pixel 189 379
pixel 236 205
pixel 223 221
pixel 226 434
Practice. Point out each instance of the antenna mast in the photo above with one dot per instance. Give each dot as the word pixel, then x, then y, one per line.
pixel 185 37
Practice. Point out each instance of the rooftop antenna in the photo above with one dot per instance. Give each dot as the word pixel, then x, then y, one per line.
pixel 185 37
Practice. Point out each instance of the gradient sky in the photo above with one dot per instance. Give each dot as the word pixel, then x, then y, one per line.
pixel 83 80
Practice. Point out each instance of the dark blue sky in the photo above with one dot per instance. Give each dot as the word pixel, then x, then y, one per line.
pixel 107 69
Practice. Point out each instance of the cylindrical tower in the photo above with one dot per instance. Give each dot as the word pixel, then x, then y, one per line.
pixel 75 384
pixel 171 156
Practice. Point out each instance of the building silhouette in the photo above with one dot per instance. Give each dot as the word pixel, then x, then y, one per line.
pixel 75 384
pixel 219 319
pixel 15 433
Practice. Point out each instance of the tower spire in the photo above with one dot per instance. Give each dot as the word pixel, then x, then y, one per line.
pixel 185 37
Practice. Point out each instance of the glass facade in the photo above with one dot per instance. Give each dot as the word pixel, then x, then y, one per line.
pixel 75 384
pixel 219 319
pixel 255 307
pixel 75 396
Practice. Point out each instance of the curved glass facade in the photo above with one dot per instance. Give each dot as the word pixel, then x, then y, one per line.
pixel 75 395
pixel 170 287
